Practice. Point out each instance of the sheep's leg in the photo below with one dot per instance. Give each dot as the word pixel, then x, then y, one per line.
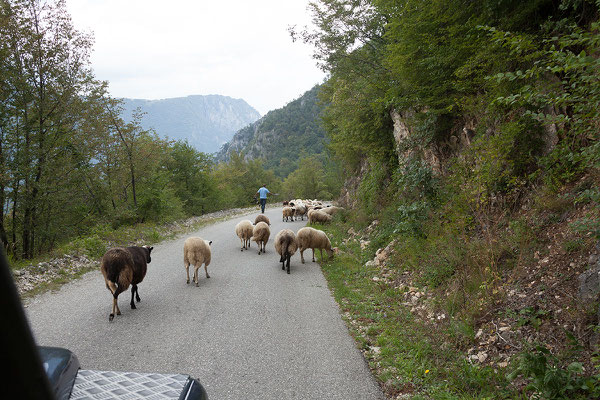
pixel 187 271
pixel 288 263
pixel 114 290
pixel 313 254
pixel 196 267
pixel 133 289
pixel 206 270
pixel 321 251
pixel 302 255
pixel 115 308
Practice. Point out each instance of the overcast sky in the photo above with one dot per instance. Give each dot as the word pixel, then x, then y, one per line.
pixel 153 49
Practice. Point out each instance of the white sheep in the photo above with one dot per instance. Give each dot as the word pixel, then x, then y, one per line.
pixel 244 231
pixel 301 211
pixel 318 216
pixel 332 209
pixel 311 238
pixel 260 235
pixel 288 213
pixel 195 252
pixel 286 245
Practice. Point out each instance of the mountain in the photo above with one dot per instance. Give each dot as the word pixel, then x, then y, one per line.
pixel 282 136
pixel 207 122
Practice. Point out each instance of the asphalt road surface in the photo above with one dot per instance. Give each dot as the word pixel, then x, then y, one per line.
pixel 251 331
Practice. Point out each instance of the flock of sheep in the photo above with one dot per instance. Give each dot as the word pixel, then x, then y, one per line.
pixel 122 267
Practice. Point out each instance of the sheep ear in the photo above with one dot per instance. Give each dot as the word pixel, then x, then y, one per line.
pixel 210 242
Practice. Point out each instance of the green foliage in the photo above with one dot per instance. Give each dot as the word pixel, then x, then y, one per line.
pixel 548 379
pixel 191 178
pixel 312 180
pixel 93 246
pixel 532 316
pixel 238 180
pixel 283 136
pixel 372 189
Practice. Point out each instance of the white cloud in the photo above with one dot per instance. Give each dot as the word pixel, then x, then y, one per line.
pixel 239 48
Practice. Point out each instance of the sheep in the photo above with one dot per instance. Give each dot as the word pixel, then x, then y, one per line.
pixel 301 211
pixel 318 216
pixel 244 231
pixel 261 235
pixel 288 213
pixel 122 267
pixel 331 210
pixel 263 218
pixel 195 252
pixel 286 245
pixel 311 238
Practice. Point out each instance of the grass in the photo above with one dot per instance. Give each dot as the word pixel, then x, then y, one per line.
pixel 406 355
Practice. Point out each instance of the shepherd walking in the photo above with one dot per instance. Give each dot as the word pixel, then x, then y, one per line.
pixel 262 195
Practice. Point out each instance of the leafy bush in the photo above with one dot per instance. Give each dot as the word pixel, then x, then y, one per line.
pixel 548 379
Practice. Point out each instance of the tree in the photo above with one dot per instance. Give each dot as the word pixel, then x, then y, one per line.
pixel 190 174
pixel 46 74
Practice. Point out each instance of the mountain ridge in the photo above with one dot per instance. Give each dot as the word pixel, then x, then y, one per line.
pixel 206 121
pixel 282 136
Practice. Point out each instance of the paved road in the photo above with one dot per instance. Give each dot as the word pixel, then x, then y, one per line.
pixel 249 332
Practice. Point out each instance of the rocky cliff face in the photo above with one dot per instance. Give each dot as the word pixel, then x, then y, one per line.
pixel 207 122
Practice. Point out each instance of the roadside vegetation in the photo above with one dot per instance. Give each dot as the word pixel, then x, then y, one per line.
pixel 469 136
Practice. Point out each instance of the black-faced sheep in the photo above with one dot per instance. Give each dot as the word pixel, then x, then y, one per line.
pixel 196 251
pixel 318 216
pixel 122 267
pixel 286 245
pixel 261 235
pixel 288 213
pixel 311 238
pixel 263 218
pixel 244 231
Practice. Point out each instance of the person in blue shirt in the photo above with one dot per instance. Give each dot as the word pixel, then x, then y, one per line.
pixel 262 195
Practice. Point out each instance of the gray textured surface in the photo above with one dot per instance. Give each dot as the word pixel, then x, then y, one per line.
pixel 100 385
pixel 250 331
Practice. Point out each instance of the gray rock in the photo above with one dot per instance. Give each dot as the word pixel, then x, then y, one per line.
pixel 589 284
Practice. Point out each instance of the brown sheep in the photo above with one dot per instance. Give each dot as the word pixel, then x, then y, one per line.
pixel 286 245
pixel 261 235
pixel 195 252
pixel 244 231
pixel 122 267
pixel 311 238
pixel 263 218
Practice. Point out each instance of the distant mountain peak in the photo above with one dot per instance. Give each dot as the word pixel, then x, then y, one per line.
pixel 206 121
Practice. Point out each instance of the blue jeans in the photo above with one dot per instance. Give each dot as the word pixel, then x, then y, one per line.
pixel 263 203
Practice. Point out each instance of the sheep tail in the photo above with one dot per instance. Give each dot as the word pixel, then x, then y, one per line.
pixel 285 254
